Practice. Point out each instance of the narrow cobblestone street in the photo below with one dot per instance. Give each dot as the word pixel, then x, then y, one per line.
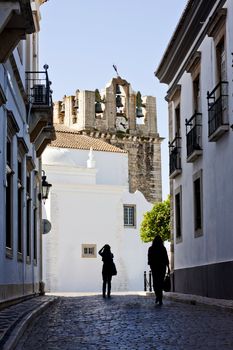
pixel 128 322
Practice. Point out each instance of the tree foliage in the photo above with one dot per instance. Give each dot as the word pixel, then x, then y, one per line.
pixel 156 222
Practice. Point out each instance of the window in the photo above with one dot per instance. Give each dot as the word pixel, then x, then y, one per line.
pixel 35 235
pixel 9 195
pixel 174 132
pixel 177 121
pixel 22 150
pixel 88 250
pixel 218 114
pixel 12 129
pixel 197 195
pixel 20 208
pixel 29 208
pixel 217 30
pixel 178 214
pixel 28 218
pixel 194 123
pixel 2 96
pixel 221 61
pixel 129 215
pixel 196 94
pixel 35 218
pixel 194 68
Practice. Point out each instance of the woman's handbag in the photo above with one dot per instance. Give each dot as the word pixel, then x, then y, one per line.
pixel 114 270
pixel 167 283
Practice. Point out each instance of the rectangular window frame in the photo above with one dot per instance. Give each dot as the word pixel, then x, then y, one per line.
pixel 12 129
pixel 20 205
pixel 197 93
pixel 88 250
pixel 28 217
pixel 35 217
pixel 217 31
pixel 219 37
pixel 177 120
pixel 129 220
pixel 9 198
pixel 198 206
pixel 21 198
pixel 175 139
pixel 35 209
pixel 218 97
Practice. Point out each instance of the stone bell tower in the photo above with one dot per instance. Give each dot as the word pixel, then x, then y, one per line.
pixel 125 119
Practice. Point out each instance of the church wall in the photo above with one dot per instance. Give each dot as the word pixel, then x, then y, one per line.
pixel 91 212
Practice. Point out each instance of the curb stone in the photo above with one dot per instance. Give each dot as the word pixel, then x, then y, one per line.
pixel 17 329
pixel 192 299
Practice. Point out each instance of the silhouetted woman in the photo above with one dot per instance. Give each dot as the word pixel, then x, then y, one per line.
pixel 158 261
pixel 107 258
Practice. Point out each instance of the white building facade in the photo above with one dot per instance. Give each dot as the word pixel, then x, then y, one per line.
pixel 25 130
pixel 197 66
pixel 89 206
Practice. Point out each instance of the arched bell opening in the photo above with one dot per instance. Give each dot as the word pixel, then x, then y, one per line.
pixel 99 104
pixel 139 113
pixel 120 100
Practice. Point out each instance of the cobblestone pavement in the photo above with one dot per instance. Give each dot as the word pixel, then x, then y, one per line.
pixel 129 322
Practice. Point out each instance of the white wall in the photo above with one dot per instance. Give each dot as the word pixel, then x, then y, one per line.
pixel 91 213
pixel 113 169
pixel 217 163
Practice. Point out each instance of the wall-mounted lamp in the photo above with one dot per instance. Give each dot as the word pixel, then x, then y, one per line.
pixel 45 188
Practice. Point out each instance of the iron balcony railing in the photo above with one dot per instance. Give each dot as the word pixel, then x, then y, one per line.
pixel 217 107
pixel 193 133
pixel 38 88
pixel 175 155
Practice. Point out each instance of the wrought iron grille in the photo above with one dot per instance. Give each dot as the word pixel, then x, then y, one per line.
pixel 217 107
pixel 193 133
pixel 175 155
pixel 38 88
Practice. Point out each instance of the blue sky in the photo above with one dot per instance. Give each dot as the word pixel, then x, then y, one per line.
pixel 81 40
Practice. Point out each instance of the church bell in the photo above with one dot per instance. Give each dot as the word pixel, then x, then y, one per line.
pixel 98 107
pixel 139 113
pixel 119 102
pixel 118 90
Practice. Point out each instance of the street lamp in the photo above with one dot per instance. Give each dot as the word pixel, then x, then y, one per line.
pixel 45 188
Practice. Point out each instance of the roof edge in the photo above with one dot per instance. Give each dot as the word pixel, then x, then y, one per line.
pixel 189 26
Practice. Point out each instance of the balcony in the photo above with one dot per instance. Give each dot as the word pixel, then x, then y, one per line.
pixel 175 157
pixel 194 137
pixel 218 111
pixel 16 20
pixel 40 104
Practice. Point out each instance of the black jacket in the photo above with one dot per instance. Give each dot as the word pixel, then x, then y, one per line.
pixel 158 258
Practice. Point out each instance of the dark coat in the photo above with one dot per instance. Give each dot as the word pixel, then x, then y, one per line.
pixel 107 258
pixel 158 258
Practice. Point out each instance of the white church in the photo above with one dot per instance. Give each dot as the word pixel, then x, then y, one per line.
pixel 89 206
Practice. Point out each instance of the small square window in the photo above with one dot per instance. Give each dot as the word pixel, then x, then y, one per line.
pixel 130 215
pixel 88 250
